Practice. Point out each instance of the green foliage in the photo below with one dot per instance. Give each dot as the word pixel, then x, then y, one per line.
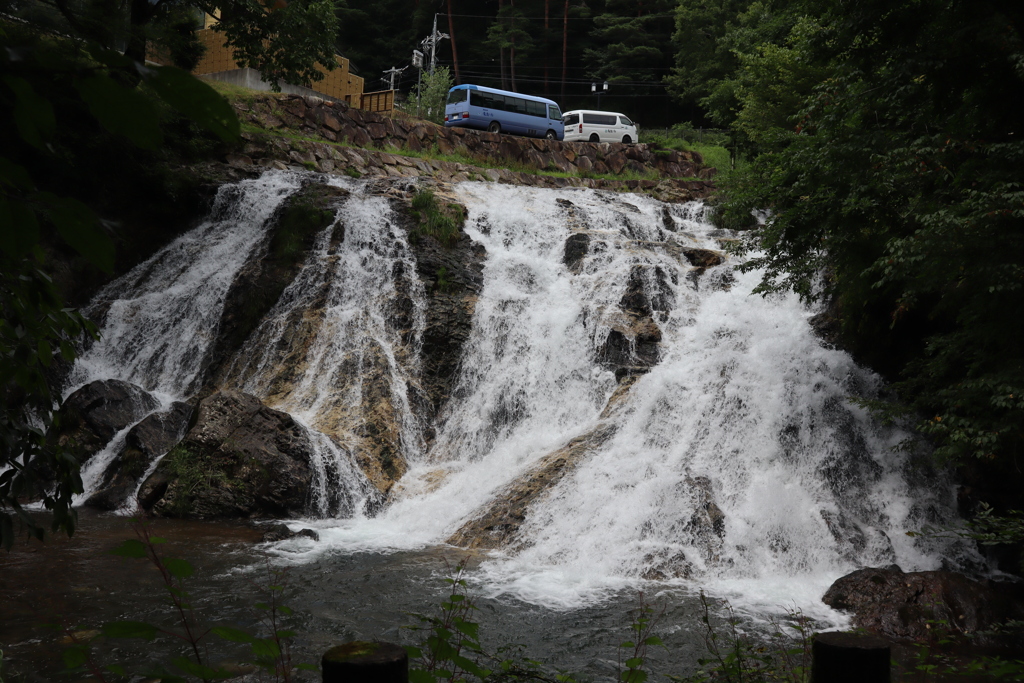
pixel 193 474
pixel 733 658
pixel 442 283
pixel 704 58
pixel 900 187
pixel 433 93
pixel 451 647
pixel 450 637
pixel 42 81
pixel 935 656
pixel 632 43
pixel 986 528
pixel 645 620
pixel 443 223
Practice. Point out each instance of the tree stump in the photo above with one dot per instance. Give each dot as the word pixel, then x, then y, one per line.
pixel 364 662
pixel 838 657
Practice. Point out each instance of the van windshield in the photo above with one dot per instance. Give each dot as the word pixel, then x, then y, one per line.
pixel 456 96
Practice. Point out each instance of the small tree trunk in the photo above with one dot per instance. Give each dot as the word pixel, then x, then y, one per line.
pixel 565 45
pixel 512 50
pixel 547 13
pixel 455 54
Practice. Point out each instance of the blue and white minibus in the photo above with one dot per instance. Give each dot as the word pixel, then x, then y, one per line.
pixel 500 111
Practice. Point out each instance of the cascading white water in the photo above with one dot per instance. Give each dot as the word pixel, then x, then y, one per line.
pixel 737 461
pixel 335 328
pixel 160 319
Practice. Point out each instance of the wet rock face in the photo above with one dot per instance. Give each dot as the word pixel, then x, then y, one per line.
pixel 452 277
pixel 259 283
pixel 281 532
pixel 576 247
pixel 240 459
pixel 497 525
pixel 900 605
pixel 145 442
pixel 92 415
pixel 632 346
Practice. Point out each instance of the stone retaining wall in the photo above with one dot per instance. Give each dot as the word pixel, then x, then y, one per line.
pixel 337 122
pixel 371 134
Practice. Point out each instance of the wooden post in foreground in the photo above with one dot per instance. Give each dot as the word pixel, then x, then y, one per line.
pixel 838 657
pixel 363 662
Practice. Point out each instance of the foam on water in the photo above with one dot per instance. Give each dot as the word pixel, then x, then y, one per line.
pixel 746 414
pixel 737 463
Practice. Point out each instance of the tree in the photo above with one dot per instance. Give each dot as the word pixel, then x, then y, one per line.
pixel 898 197
pixel 36 330
pixel 633 41
pixel 703 58
pixel 434 93
pixel 283 40
pixel 510 32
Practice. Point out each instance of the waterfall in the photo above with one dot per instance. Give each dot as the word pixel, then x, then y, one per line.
pixel 650 417
pixel 344 335
pixel 727 453
pixel 159 320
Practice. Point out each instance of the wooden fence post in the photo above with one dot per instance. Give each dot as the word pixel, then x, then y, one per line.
pixel 363 662
pixel 838 657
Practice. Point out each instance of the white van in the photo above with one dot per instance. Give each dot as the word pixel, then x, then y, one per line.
pixel 598 126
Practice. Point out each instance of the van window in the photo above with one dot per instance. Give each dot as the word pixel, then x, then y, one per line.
pixel 571 119
pixel 625 121
pixel 553 112
pixel 599 119
pixel 456 96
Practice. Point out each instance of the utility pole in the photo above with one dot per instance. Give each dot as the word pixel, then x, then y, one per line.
pixel 392 73
pixel 430 43
pixel 417 61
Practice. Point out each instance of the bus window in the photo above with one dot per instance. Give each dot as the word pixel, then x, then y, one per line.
pixel 535 108
pixel 456 96
pixel 553 112
pixel 571 119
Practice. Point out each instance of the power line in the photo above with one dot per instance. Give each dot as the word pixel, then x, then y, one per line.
pixel 558 17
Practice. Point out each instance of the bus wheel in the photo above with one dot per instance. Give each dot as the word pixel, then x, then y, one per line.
pixel 594 137
pixel 551 135
pixel 626 140
pixel 495 127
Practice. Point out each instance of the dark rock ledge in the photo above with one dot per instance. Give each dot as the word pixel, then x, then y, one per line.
pixel 906 606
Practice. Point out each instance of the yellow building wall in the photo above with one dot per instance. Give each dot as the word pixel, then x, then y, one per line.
pixel 339 83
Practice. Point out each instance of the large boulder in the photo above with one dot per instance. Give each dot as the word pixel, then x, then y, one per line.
pixel 151 438
pixel 240 459
pixel 93 414
pixel 904 606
